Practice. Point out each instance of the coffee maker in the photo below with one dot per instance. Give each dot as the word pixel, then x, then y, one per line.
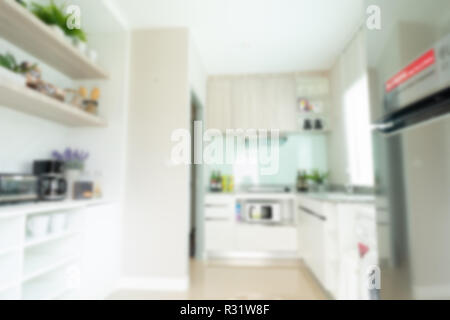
pixel 52 185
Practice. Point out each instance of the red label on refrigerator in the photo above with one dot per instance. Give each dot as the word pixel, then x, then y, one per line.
pixel 410 71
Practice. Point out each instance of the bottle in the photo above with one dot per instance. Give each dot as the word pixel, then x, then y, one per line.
pixel 219 181
pixel 212 181
pixel 231 184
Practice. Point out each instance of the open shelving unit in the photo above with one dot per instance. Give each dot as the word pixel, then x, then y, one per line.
pixel 23 99
pixel 22 28
pixel 40 267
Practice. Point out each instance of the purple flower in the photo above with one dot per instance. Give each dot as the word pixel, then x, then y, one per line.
pixel 68 156
pixel 72 157
pixel 58 156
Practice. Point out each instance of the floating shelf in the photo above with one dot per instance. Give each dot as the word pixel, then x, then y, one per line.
pixel 26 100
pixel 22 28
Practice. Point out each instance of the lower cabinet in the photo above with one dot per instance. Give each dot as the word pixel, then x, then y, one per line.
pixel 219 236
pixel 256 238
pixel 329 237
pixel 225 236
pixel 318 240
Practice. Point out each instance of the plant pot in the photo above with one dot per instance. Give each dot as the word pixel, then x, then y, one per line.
pixel 80 45
pixel 7 76
pixel 58 31
pixel 72 176
pixel 321 188
pixel 92 55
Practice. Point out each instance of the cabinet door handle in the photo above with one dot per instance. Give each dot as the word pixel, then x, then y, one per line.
pixel 216 205
pixel 312 213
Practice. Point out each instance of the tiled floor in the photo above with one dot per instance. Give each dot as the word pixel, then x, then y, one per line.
pixel 218 280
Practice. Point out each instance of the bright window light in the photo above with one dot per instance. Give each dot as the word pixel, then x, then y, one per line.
pixel 358 133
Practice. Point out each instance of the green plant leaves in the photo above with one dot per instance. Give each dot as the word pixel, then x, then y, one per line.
pixel 9 62
pixel 317 177
pixel 54 15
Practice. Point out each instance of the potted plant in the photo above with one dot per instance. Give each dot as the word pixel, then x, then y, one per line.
pixel 302 181
pixel 74 161
pixel 56 18
pixel 318 180
pixel 11 71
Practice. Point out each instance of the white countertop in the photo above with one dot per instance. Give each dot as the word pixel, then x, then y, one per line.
pixel 337 197
pixel 340 197
pixel 7 211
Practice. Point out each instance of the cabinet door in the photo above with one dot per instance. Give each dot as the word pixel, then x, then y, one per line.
pixel 280 103
pixel 218 106
pixel 219 236
pixel 257 238
pixel 246 99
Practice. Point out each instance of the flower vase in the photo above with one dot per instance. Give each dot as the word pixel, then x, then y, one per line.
pixel 72 176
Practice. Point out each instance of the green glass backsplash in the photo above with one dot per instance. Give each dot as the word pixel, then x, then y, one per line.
pixel 297 152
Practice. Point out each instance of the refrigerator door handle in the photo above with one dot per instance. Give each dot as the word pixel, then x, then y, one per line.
pixel 383 126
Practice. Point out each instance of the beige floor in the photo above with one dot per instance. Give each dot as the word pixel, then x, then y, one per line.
pixel 282 280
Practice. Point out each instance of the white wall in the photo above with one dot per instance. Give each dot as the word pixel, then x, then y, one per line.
pixel 349 67
pixel 102 234
pixel 24 138
pixel 156 215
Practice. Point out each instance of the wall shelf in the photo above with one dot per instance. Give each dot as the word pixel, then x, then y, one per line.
pixel 28 101
pixel 22 28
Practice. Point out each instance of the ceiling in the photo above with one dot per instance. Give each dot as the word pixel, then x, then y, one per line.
pixel 254 36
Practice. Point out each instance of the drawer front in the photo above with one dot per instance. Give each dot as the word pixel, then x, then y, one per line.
pixel 219 200
pixel 266 238
pixel 218 212
pixel 219 236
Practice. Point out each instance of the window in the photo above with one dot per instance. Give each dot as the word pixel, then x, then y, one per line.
pixel 358 134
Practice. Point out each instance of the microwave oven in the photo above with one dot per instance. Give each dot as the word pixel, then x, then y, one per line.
pixel 18 188
pixel 262 212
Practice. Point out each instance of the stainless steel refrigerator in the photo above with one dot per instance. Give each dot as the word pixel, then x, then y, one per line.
pixel 409 79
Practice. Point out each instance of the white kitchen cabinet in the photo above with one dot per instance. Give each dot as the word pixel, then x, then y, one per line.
pixel 357 226
pixel 318 236
pixel 219 236
pixel 260 238
pixel 252 102
pixel 219 222
pixel 218 106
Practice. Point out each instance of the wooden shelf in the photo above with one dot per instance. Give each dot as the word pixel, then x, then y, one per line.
pixel 28 101
pixel 22 28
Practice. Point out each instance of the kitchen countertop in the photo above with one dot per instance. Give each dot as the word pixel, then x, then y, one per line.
pixel 337 197
pixel 12 210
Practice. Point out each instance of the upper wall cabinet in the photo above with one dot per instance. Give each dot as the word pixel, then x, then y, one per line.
pixel 22 28
pixel 252 102
pixel 218 109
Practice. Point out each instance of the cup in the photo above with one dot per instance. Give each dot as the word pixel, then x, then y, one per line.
pixel 37 226
pixel 58 222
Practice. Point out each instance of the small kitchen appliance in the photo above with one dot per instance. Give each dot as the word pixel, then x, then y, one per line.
pixel 18 188
pixel 262 212
pixel 52 185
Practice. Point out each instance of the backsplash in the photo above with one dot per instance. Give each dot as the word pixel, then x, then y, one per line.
pixel 297 152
